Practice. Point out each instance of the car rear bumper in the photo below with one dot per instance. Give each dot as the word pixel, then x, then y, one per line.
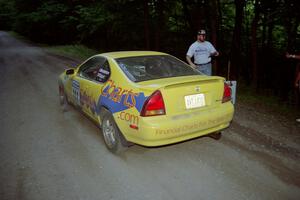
pixel 162 130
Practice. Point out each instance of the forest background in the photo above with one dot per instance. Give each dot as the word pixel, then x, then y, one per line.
pixel 252 36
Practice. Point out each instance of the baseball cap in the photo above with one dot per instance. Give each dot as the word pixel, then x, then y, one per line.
pixel 201 32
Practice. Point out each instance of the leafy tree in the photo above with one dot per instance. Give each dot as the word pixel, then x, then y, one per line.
pixel 7 13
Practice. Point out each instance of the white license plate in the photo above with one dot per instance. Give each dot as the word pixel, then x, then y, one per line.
pixel 194 101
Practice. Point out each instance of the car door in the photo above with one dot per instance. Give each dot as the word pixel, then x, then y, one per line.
pixel 95 88
pixel 93 78
pixel 84 83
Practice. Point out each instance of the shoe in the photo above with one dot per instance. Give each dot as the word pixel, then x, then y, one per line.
pixel 298 120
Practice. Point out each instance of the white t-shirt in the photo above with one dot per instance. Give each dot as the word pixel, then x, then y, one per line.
pixel 201 52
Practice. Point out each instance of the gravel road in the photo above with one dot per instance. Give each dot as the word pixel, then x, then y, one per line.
pixel 49 154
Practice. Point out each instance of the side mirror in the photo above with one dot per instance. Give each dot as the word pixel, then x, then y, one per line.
pixel 70 71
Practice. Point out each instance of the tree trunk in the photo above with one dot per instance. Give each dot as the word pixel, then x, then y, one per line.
pixel 159 24
pixel 235 55
pixel 264 30
pixel 291 27
pixel 214 25
pixel 146 25
pixel 254 25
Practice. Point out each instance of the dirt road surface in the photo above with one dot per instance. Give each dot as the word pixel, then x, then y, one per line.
pixel 49 154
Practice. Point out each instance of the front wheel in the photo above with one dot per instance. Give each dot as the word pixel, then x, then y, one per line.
pixel 63 98
pixel 111 134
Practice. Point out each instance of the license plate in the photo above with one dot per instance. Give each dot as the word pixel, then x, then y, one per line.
pixel 194 101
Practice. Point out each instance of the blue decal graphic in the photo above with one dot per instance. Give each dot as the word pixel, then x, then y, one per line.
pixel 140 99
pixel 118 99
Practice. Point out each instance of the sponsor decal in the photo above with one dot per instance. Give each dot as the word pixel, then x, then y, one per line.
pixel 113 97
pixel 102 75
pixel 128 117
pixel 118 99
pixel 194 127
pixel 76 91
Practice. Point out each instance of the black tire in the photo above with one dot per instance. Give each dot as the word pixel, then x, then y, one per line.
pixel 111 133
pixel 63 99
pixel 216 135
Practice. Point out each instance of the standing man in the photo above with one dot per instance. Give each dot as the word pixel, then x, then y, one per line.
pixel 202 51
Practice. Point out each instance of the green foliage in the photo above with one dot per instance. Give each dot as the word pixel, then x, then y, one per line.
pixel 48 12
pixel 176 21
pixel 92 19
pixel 7 13
pixel 41 23
pixel 280 38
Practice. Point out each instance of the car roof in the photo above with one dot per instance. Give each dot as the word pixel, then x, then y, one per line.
pixel 124 54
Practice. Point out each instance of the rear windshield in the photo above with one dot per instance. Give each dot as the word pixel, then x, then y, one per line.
pixel 143 68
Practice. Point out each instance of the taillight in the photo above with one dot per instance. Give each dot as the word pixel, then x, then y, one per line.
pixel 226 94
pixel 154 105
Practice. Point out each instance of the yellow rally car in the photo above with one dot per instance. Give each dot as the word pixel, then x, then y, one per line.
pixel 147 98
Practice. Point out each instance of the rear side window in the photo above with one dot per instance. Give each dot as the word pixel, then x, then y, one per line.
pixel 96 68
pixel 143 68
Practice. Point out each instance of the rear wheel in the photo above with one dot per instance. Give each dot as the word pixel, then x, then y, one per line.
pixel 216 135
pixel 111 133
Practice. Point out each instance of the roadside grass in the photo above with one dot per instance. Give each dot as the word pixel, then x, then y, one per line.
pixel 267 102
pixel 19 36
pixel 75 51
pixel 78 51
